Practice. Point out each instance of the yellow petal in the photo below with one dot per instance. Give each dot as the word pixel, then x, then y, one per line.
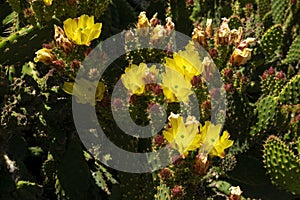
pixel 68 87
pixel 90 22
pixel 82 21
pixel 70 27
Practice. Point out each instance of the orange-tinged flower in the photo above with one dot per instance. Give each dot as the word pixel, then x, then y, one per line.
pixel 143 21
pixel 240 57
pixel 45 56
pixel 199 36
pixel 82 30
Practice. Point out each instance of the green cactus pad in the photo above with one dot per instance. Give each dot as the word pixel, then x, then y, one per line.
pixel 293 54
pixel 279 10
pixel 163 192
pixel 263 7
pixel 291 92
pixel 267 20
pixel 266 111
pixel 271 41
pixel 282 165
pixel 234 22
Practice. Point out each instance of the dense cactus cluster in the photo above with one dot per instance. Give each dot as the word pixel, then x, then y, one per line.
pixel 252 142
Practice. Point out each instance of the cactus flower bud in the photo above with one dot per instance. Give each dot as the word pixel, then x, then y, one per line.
pixel 196 81
pixel 177 191
pixel 223 33
pixel 154 20
pixel 229 88
pixel 198 35
pixel 165 173
pixel 58 64
pixel 201 164
pixel 228 73
pixel 209 31
pixel 271 71
pixel 280 75
pixel 159 140
pixel 61 40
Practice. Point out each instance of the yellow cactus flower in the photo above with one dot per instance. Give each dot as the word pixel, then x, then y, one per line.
pixel 183 137
pixel 175 87
pixel 82 30
pixel 82 91
pixel 222 144
pixel 186 62
pixel 134 77
pixel 48 2
pixel 45 56
pixel 211 142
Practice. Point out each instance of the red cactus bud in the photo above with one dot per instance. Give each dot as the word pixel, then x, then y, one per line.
pixel 265 75
pixel 213 53
pixel 177 191
pixel 58 64
pixel 117 104
pixel 206 104
pixel 229 88
pixel 189 2
pixel 280 75
pixel 75 65
pixel 165 173
pixel 159 140
pixel 271 71
pixel 48 46
pixel 196 81
pixel 249 6
pixel 228 73
pixel 215 93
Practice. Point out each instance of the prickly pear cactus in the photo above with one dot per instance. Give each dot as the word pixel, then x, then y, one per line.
pixel 271 41
pixel 282 164
pixel 266 110
pixel 291 92
pixel 279 10
pixel 263 7
pixel 163 192
pixel 293 54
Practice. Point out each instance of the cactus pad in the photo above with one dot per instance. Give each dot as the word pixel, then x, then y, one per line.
pixel 279 10
pixel 163 192
pixel 291 92
pixel 293 54
pixel 282 165
pixel 271 41
pixel 263 7
pixel 266 113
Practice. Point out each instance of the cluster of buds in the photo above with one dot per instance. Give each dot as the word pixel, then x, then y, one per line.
pixel 271 73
